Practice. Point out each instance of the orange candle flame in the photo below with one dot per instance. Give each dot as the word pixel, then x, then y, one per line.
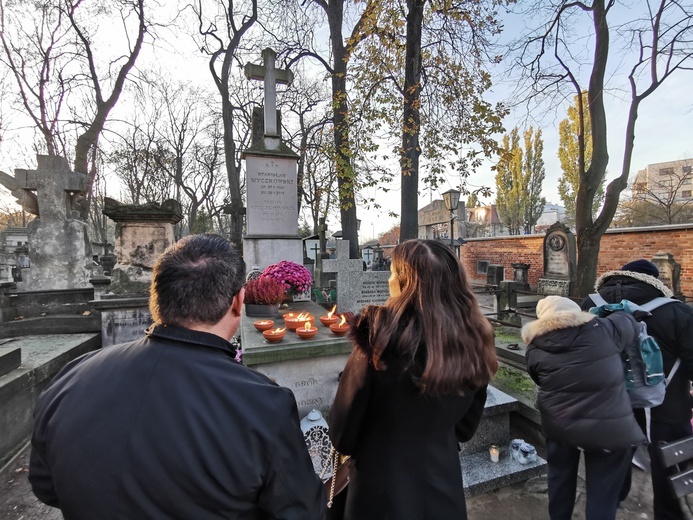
pixel 329 314
pixel 303 316
pixel 342 322
pixel 278 331
pixel 263 322
pixel 307 327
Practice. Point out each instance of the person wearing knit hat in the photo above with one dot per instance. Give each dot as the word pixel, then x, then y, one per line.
pixel 672 326
pixel 642 266
pixel 575 359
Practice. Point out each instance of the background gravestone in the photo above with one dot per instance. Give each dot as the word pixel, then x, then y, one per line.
pixel 669 271
pixel 356 288
pixel 560 254
pixel 59 245
pixel 142 234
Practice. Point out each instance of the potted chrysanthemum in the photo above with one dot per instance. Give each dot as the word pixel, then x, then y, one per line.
pixel 295 277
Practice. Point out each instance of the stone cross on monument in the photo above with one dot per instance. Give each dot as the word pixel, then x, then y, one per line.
pixel 271 77
pixel 59 245
pixel 58 189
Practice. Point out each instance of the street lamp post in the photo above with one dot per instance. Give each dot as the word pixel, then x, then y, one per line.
pixel 452 200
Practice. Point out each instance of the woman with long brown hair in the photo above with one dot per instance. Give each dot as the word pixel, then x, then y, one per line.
pixel 413 387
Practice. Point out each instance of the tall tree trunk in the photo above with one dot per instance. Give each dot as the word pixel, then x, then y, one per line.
pixel 411 123
pixel 588 234
pixel 235 207
pixel 343 166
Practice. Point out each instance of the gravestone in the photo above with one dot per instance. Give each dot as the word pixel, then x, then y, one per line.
pixel 59 245
pixel 669 271
pixel 271 180
pixel 560 255
pixel 521 275
pixel 356 288
pixel 142 234
pixel 495 274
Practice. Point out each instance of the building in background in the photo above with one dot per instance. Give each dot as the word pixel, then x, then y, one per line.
pixel 484 222
pixel 11 239
pixel 551 214
pixel 434 221
pixel 673 179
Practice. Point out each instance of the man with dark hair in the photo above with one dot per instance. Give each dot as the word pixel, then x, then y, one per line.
pixel 171 426
pixel 672 326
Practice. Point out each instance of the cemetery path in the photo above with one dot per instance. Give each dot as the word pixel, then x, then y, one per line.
pixel 525 501
pixel 17 502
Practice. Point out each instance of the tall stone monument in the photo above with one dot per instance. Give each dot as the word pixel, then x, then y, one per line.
pixel 142 234
pixel 59 246
pixel 560 257
pixel 271 181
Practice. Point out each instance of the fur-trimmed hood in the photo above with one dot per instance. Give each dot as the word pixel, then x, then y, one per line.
pixel 554 313
pixel 645 278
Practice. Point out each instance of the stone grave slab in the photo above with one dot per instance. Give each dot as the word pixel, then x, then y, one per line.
pixel 309 368
pixel 479 474
pixel 10 357
pixel 42 358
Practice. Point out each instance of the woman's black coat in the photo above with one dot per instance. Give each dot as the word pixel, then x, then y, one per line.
pixel 404 445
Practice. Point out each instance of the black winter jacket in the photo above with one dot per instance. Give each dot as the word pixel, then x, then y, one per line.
pixel 671 325
pixel 575 359
pixel 171 427
pixel 404 444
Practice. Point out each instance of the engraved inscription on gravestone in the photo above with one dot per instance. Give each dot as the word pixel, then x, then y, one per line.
pixel 272 196
pixel 373 291
pixel 313 381
pixel 556 259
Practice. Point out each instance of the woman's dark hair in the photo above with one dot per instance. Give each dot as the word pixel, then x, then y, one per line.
pixel 195 280
pixel 438 312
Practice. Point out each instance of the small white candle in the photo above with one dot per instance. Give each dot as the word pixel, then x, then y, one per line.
pixel 494 452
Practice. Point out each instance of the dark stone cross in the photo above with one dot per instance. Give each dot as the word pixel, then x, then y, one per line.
pixel 322 230
pixel 315 249
pixel 271 77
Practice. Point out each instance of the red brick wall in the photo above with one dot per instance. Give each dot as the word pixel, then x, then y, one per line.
pixel 618 247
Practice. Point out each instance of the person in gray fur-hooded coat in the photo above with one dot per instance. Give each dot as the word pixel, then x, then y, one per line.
pixel 672 326
pixel 574 358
